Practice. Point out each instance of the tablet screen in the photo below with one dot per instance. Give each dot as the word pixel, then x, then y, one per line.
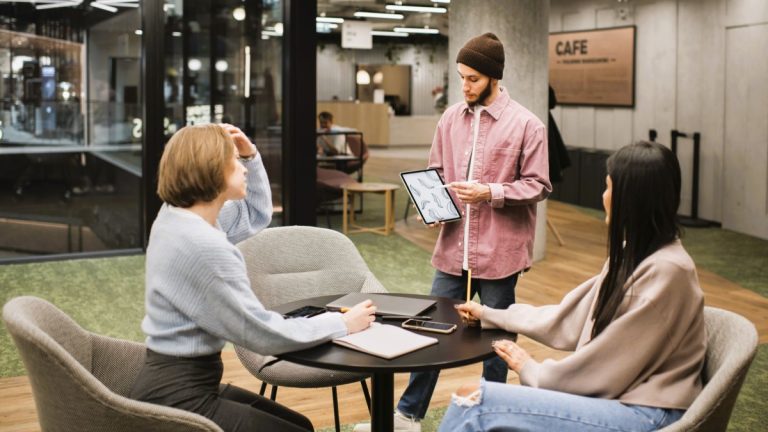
pixel 428 192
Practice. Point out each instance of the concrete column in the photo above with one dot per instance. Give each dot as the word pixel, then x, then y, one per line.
pixel 523 27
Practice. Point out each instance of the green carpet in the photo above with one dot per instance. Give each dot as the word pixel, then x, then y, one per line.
pixel 106 295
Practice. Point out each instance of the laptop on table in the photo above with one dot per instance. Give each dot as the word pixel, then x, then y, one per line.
pixel 385 304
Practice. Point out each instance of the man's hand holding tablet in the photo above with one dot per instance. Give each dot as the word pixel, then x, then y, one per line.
pixel 430 196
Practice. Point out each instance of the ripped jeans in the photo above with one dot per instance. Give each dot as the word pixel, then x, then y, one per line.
pixel 505 407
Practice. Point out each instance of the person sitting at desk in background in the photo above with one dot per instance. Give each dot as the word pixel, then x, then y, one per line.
pixel 637 328
pixel 198 295
pixel 330 145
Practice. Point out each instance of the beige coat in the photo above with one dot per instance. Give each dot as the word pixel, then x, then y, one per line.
pixel 650 354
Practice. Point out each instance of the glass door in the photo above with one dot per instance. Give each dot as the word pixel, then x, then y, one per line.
pixel 69 158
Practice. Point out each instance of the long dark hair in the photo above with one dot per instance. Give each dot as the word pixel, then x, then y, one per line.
pixel 645 196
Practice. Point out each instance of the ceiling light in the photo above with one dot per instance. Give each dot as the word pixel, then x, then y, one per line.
pixel 322 19
pixel 57 5
pixel 425 30
pixel 238 13
pixel 363 77
pixel 389 33
pixel 176 34
pixel 221 65
pixel 138 32
pixel 441 1
pixel 429 9
pixel 194 64
pixel 393 16
pixel 120 3
pixel 105 7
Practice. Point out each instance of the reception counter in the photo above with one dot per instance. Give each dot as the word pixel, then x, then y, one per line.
pixel 371 119
pixel 378 127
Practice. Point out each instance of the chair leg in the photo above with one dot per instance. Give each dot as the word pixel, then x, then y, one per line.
pixel 263 389
pixel 367 395
pixel 274 393
pixel 336 409
pixel 556 232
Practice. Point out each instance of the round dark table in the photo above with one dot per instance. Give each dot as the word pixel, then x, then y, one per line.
pixel 464 346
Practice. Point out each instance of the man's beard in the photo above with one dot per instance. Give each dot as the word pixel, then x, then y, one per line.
pixel 482 96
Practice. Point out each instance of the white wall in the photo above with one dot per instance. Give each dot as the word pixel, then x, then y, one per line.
pixel 680 83
pixel 429 64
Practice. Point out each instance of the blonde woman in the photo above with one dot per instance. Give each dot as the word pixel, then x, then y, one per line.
pixel 198 296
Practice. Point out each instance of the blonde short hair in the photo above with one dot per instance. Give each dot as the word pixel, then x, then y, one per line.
pixel 194 165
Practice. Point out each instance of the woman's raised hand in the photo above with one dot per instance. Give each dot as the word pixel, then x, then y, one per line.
pixel 244 145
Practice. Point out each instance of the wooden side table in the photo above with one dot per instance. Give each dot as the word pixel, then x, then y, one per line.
pixel 387 189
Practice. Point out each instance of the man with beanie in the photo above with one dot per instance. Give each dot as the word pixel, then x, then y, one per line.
pixel 493 152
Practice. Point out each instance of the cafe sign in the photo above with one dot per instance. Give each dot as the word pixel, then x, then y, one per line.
pixel 593 67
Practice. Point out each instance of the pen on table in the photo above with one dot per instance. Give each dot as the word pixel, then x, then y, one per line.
pixel 406 317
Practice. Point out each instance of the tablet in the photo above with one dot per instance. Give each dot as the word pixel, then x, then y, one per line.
pixel 428 192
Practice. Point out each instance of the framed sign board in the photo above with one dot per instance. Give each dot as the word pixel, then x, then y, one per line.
pixel 593 67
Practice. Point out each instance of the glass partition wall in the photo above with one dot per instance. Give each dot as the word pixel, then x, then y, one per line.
pixel 72 106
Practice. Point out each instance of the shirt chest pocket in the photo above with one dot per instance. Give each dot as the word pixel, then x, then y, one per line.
pixel 504 165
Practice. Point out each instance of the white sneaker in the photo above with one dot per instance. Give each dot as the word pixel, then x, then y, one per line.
pixel 402 423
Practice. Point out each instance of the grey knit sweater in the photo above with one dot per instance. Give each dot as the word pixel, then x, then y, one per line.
pixel 197 291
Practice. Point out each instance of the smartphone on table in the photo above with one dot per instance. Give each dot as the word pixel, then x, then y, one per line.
pixel 305 311
pixel 430 326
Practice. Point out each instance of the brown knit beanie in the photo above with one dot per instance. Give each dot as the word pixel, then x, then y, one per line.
pixel 485 54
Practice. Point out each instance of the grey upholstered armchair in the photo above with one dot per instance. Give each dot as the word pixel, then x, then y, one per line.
pixel 292 263
pixel 731 346
pixel 80 379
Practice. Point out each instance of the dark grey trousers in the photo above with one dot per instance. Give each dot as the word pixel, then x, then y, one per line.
pixel 194 384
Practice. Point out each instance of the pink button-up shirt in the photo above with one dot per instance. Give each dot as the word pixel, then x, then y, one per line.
pixel 511 157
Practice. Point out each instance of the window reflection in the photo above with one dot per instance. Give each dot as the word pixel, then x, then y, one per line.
pixel 230 71
pixel 71 110
pixel 70 158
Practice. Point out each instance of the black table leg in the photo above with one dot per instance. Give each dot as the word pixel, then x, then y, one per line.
pixel 383 393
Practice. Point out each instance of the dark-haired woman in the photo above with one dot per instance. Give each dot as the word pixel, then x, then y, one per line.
pixel 636 329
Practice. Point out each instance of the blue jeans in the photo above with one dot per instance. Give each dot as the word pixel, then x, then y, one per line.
pixel 498 294
pixel 507 407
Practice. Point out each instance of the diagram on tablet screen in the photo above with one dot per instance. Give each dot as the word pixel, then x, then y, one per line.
pixel 430 196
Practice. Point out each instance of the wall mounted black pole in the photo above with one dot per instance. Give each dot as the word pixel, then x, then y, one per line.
pixel 692 220
pixel 695 192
